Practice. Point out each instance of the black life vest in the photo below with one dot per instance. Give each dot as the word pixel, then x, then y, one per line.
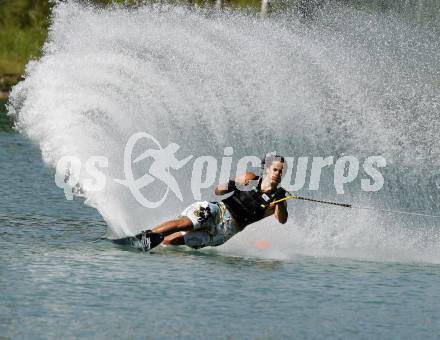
pixel 250 206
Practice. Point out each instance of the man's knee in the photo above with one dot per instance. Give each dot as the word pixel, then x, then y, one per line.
pixel 176 239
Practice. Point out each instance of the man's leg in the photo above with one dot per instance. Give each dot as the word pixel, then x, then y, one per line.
pixel 194 239
pixel 170 227
pixel 175 239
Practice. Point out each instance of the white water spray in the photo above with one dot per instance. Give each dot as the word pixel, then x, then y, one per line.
pixel 345 83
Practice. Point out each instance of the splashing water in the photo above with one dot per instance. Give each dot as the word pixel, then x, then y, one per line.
pixel 346 82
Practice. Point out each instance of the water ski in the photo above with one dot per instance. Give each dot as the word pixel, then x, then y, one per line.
pixel 144 241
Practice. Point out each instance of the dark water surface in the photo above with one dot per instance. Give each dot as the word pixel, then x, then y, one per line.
pixel 6 122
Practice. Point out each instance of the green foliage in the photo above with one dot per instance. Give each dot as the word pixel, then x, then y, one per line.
pixel 23 30
pixel 24 14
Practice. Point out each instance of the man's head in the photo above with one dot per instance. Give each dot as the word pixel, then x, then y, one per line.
pixel 273 168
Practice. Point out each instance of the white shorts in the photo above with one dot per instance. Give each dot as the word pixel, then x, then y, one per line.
pixel 212 222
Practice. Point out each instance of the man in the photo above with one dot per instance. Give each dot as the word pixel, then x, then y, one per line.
pixel 213 223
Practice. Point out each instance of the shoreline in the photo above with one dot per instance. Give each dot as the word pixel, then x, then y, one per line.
pixel 7 82
pixel 4 95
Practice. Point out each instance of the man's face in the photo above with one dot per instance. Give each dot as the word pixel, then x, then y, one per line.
pixel 275 172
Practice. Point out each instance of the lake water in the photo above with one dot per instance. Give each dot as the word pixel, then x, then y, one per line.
pixel 59 279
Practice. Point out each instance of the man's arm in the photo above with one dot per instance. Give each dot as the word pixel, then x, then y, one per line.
pixel 229 187
pixel 281 213
pixel 222 189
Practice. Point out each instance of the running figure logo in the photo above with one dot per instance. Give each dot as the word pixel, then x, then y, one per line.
pixel 163 160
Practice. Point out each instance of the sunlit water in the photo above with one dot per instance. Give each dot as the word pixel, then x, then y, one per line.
pixel 346 82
